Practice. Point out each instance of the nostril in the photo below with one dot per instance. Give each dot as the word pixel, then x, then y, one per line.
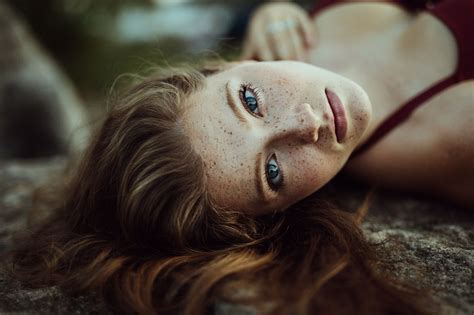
pixel 308 127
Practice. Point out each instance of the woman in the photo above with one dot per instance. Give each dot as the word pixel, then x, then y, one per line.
pixel 194 188
pixel 388 55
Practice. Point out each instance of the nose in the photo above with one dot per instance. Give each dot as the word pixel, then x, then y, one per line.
pixel 300 122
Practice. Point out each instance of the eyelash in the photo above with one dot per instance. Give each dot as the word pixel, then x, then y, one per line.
pixel 258 95
pixel 248 87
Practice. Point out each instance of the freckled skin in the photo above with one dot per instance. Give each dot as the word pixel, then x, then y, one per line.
pixel 297 127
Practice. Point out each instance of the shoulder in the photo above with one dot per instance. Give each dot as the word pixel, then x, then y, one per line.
pixel 456 132
pixel 452 114
pixel 455 143
pixel 432 152
pixel 375 13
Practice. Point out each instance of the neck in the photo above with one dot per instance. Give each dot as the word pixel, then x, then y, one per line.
pixel 391 65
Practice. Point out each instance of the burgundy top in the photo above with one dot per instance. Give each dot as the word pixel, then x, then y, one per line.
pixel 458 16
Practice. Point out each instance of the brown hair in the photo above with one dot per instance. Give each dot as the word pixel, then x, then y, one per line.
pixel 137 226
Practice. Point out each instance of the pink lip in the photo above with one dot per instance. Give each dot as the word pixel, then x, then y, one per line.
pixel 340 120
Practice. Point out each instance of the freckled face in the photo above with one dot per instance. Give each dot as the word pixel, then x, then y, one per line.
pixel 267 133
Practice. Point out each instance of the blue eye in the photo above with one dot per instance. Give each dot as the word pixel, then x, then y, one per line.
pixel 274 174
pixel 250 99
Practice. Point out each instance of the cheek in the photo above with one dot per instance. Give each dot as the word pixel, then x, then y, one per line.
pixel 279 94
pixel 309 170
pixel 360 110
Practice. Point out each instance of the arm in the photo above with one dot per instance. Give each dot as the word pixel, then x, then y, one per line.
pixel 280 31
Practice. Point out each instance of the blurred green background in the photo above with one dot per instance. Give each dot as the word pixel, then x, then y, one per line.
pixel 96 41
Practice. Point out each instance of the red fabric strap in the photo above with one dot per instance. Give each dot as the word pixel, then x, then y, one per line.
pixel 457 15
pixel 404 112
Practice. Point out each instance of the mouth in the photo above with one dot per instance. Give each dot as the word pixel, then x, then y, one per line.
pixel 339 114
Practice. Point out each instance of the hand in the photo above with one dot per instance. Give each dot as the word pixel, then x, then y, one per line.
pixel 278 31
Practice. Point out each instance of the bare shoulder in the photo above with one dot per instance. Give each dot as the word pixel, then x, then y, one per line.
pixel 432 152
pixel 452 114
pixel 456 142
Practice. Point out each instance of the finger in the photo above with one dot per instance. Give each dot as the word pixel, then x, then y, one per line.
pixel 306 28
pixel 259 46
pixel 273 26
pixel 296 44
pixel 280 44
pixel 264 50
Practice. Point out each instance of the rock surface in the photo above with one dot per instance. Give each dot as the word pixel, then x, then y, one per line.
pixel 429 244
pixel 40 111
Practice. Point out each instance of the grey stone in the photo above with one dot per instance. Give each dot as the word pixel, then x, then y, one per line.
pixel 425 243
pixel 40 111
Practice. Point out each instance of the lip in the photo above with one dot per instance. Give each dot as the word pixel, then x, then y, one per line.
pixel 339 114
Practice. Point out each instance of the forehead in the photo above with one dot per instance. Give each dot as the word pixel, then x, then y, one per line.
pixel 252 69
pixel 209 119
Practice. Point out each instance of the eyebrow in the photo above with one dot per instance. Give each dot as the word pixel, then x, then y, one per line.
pixel 240 116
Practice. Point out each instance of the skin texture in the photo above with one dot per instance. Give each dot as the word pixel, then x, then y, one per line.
pixel 296 127
pixel 393 55
pixel 431 153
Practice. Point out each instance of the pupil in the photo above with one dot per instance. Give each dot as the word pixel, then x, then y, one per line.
pixel 273 170
pixel 252 103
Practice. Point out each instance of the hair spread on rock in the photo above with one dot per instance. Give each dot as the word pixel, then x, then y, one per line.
pixel 137 226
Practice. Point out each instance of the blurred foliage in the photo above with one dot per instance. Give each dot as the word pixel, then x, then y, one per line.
pixel 68 30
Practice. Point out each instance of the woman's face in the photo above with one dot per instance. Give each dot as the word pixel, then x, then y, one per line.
pixel 272 133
